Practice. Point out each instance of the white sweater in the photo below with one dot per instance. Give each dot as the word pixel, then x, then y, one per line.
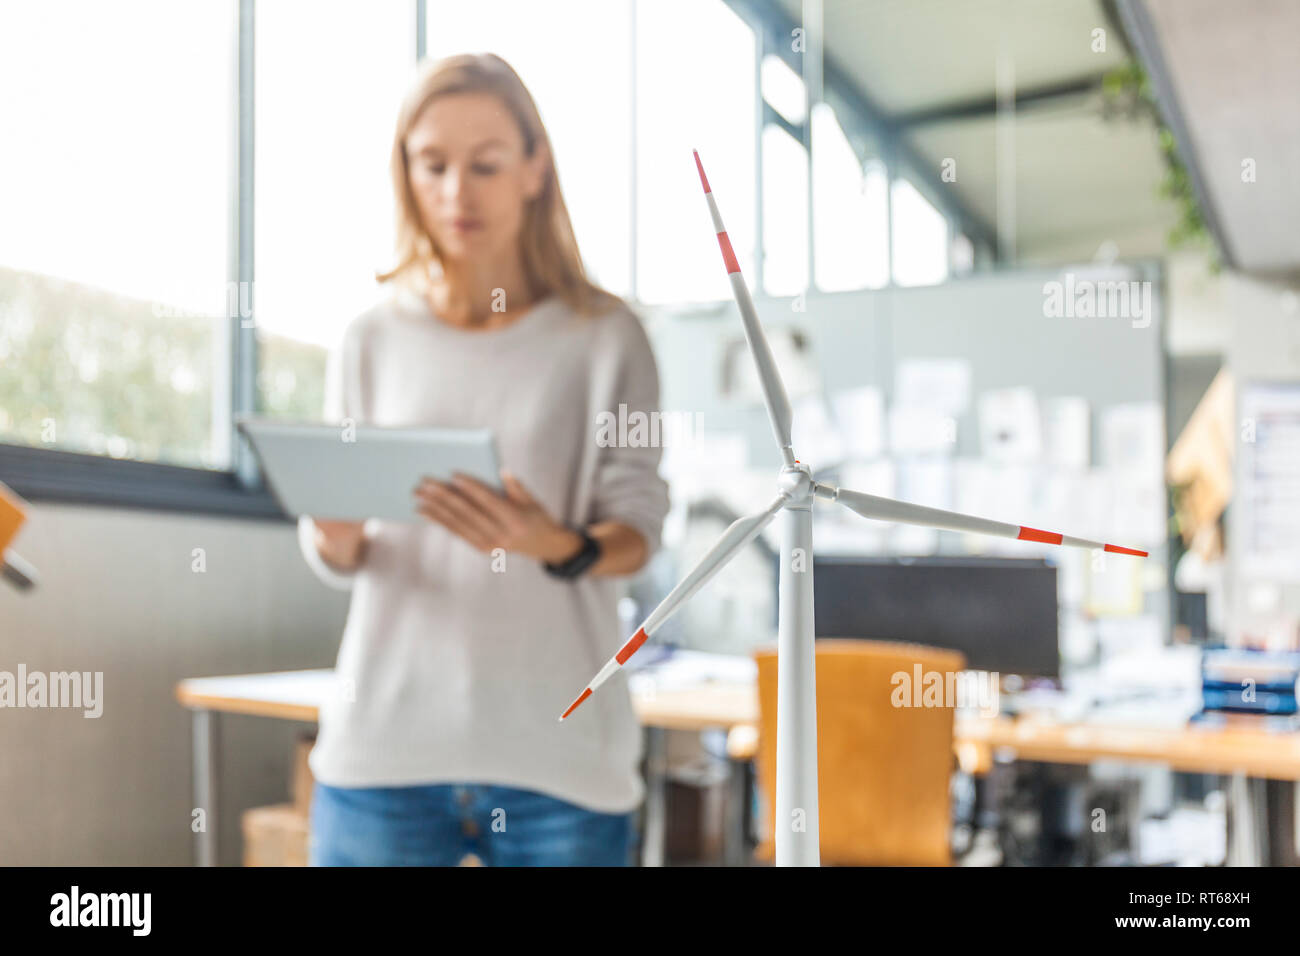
pixel 450 671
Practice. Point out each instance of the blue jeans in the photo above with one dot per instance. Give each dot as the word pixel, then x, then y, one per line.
pixel 439 824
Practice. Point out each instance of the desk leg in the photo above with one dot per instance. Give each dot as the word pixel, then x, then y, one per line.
pixel 654 830
pixel 205 783
pixel 1247 828
pixel 1280 806
pixel 734 836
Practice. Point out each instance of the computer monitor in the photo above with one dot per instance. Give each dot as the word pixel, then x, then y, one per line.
pixel 1000 613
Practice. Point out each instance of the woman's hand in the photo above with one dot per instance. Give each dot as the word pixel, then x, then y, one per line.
pixel 340 543
pixel 516 522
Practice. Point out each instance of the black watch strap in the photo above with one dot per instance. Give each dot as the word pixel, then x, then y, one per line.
pixel 587 555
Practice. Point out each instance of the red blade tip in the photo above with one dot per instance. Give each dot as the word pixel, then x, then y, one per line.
pixel 574 706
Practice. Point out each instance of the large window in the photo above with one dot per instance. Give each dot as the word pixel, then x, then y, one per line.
pixel 695 89
pixel 329 81
pixel 920 255
pixel 131 205
pixel 785 213
pixel 113 252
pixel 784 89
pixel 785 180
pixel 850 211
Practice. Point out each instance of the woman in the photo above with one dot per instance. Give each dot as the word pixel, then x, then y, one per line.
pixel 471 629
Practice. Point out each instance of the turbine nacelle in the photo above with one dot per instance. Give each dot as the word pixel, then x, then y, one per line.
pixel 795 481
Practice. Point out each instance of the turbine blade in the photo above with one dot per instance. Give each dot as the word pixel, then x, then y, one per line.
pixel 887 509
pixel 738 534
pixel 778 403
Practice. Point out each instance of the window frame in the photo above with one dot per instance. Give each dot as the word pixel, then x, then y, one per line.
pixel 51 474
pixel 72 477
pixel 773 26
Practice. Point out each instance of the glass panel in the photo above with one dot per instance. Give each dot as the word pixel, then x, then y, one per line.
pixel 962 255
pixel 113 254
pixel 850 214
pixel 783 89
pixel 324 219
pixel 785 213
pixel 920 238
pixel 711 61
pixel 573 57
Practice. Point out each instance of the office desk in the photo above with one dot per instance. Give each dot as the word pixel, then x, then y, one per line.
pixel 285 695
pixel 1256 761
pixel 1238 749
pixel 296 695
pixel 1242 752
pixel 710 706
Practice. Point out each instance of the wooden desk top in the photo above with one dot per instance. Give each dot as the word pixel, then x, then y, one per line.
pixel 1239 748
pixel 296 695
pixel 286 695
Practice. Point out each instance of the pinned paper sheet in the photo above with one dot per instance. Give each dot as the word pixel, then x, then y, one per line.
pixel 1010 429
pixel 1133 437
pixel 1270 472
pixel 941 384
pixel 860 415
pixel 916 430
pixel 1067 432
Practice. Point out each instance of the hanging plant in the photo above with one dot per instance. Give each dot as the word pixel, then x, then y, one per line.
pixel 1127 94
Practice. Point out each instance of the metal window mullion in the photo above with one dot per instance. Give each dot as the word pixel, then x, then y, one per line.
pixel 242 319
pixel 953 229
pixel 812 85
pixel 421 28
pixel 890 159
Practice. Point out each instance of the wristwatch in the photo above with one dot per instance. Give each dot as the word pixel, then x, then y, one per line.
pixel 572 567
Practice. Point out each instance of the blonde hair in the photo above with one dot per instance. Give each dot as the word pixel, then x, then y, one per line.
pixel 551 260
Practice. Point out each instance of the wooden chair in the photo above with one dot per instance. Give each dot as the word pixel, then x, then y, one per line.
pixel 882 770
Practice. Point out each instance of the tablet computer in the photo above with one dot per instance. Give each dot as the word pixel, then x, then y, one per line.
pixel 364 471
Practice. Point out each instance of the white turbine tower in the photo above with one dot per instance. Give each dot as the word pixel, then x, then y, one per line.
pixel 796 709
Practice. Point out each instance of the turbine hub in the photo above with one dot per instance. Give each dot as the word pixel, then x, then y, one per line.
pixel 795 481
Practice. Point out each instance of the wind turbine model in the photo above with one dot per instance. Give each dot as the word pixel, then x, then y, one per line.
pixel 797 840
